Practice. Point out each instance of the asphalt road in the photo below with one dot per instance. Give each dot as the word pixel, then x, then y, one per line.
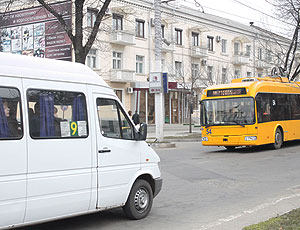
pixel 210 188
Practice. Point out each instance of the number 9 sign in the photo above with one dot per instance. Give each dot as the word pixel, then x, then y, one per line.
pixel 74 128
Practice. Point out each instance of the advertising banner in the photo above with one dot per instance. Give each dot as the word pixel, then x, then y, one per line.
pixel 36 32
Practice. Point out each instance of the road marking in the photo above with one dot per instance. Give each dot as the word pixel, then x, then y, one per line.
pixel 250 211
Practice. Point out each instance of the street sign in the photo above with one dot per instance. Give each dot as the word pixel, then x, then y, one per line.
pixel 155 83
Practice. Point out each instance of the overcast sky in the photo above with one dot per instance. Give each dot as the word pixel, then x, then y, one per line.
pixel 258 11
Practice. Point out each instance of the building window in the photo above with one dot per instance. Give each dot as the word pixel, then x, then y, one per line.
pixel 91 59
pixel 224 75
pixel 178 68
pixel 195 70
pixel 237 73
pixel 248 74
pixel 119 94
pixel 139 64
pixel 224 46
pixel 162 31
pixel 210 73
pixel 117 60
pixel 178 36
pixel 259 75
pixel 195 39
pixel 268 55
pixel 91 17
pixel 139 28
pixel 210 43
pixel 248 50
pixel 236 48
pixel 259 57
pixel 117 22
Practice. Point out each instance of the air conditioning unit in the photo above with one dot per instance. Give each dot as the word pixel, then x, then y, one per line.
pixel 108 12
pixel 129 90
pixel 152 23
pixel 203 62
pixel 218 38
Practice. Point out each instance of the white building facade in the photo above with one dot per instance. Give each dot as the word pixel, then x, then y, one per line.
pixel 198 50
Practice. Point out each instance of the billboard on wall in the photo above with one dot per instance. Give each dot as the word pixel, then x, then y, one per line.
pixel 36 32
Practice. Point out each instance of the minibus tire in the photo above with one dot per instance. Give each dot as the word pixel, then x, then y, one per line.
pixel 230 148
pixel 278 140
pixel 140 200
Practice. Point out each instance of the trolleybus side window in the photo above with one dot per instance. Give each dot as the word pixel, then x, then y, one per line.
pixel 11 126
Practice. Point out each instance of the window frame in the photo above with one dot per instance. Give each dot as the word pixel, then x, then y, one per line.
pixel 119 110
pixel 21 117
pixel 138 64
pixel 139 28
pixel 91 17
pixel 57 137
pixel 117 60
pixel 117 22
pixel 195 39
pixel 178 36
pixel 224 46
pixel 91 59
pixel 210 43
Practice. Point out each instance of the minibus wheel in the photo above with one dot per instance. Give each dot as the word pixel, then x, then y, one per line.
pixel 278 139
pixel 230 148
pixel 140 200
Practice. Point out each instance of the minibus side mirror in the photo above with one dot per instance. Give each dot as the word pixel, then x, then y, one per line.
pixel 142 133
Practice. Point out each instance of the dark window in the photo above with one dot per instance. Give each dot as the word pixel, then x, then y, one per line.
pixel 57 114
pixel 139 28
pixel 11 126
pixel 273 107
pixel 117 22
pixel 195 39
pixel 162 31
pixel 113 121
pixel 295 104
pixel 210 43
pixel 178 36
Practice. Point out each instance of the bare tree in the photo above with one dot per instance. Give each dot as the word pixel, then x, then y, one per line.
pixel 289 11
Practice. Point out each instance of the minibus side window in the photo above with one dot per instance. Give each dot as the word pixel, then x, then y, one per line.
pixel 113 121
pixel 57 114
pixel 11 126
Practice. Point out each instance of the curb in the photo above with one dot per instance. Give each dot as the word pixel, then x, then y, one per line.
pixel 163 145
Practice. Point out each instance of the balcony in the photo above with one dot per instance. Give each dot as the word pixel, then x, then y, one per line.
pixel 122 75
pixel 241 59
pixel 199 51
pixel 122 37
pixel 167 48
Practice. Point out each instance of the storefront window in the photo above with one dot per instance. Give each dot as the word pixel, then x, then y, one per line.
pixel 151 108
pixel 143 106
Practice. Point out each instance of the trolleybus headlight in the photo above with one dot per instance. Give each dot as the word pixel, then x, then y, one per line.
pixel 204 138
pixel 250 138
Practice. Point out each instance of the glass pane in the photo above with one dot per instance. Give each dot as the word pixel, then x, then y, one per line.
pixel 55 114
pixel 10 114
pixel 127 130
pixel 108 118
pixel 233 111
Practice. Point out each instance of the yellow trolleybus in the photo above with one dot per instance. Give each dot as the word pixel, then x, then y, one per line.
pixel 250 112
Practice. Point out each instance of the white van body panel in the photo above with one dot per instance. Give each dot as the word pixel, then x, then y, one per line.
pixel 13 169
pixel 59 174
pixel 47 179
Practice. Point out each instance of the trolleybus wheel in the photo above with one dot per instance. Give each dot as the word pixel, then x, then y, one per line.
pixel 278 139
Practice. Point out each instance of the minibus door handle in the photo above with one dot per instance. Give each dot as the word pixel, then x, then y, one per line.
pixel 104 150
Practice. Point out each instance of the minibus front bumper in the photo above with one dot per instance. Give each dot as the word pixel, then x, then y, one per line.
pixel 157 186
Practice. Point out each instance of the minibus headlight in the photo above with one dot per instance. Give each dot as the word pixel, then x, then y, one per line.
pixel 250 138
pixel 204 138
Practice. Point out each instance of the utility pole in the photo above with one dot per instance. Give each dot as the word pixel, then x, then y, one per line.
pixel 159 97
pixel 159 105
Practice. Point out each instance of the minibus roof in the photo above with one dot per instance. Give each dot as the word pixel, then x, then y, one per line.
pixel 15 65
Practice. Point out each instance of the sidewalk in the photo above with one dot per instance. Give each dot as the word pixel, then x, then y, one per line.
pixel 178 132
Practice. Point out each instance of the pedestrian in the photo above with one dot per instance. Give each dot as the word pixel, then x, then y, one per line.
pixel 136 118
pixel 130 113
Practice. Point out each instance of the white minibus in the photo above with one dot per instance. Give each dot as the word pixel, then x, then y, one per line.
pixel 67 146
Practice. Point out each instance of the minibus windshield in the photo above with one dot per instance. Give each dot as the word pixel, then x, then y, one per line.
pixel 228 111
